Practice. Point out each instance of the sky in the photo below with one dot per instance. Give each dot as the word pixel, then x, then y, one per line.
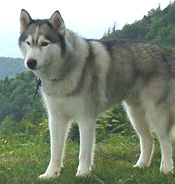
pixel 90 18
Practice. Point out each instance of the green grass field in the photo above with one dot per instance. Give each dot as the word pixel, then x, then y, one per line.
pixel 23 159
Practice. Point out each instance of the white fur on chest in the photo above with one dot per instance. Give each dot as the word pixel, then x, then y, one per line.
pixel 73 108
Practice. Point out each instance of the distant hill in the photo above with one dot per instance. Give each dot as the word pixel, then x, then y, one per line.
pixel 10 67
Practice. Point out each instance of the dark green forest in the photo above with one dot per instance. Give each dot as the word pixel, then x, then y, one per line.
pixel 17 105
pixel 158 27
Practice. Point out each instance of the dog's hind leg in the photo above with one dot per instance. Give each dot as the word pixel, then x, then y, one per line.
pixel 87 144
pixel 162 119
pixel 166 154
pixel 137 118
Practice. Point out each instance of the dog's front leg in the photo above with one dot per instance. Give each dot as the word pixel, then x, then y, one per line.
pixel 87 144
pixel 58 126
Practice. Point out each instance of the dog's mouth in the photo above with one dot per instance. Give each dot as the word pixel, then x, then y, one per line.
pixel 33 69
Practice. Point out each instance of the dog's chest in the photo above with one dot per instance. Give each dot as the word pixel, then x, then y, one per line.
pixel 57 89
pixel 74 108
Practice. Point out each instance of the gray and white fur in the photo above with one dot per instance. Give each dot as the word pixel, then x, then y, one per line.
pixel 81 78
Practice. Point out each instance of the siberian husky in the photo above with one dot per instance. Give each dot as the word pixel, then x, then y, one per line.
pixel 81 78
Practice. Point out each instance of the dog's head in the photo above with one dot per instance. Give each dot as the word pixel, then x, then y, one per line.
pixel 42 40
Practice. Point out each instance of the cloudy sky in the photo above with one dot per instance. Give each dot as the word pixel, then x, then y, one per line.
pixel 90 18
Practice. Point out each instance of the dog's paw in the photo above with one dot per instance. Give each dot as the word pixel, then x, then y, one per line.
pixel 141 165
pixel 167 170
pixel 48 176
pixel 167 167
pixel 83 172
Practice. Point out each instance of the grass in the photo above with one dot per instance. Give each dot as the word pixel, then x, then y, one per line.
pixel 23 159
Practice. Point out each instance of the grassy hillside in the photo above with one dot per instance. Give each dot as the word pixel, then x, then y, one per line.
pixel 24 158
pixel 10 67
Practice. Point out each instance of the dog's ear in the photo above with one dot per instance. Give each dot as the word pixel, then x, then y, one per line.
pixel 57 22
pixel 25 20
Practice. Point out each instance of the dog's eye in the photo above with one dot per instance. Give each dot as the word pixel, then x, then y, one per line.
pixel 44 44
pixel 28 43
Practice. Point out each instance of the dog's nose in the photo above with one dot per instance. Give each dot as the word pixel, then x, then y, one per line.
pixel 31 63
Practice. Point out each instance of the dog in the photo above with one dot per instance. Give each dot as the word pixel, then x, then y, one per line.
pixel 81 78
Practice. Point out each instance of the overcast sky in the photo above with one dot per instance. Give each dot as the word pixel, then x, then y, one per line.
pixel 90 18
